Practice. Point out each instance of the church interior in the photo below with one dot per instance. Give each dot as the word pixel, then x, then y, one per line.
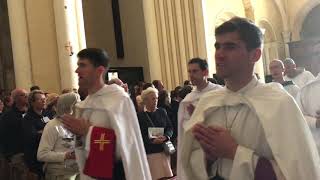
pixel 146 40
pixel 40 39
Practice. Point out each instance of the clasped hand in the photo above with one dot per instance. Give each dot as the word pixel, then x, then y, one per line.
pixel 215 141
pixel 78 126
pixel 159 140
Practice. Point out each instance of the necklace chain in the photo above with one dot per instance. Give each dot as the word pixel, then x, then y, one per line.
pixel 232 122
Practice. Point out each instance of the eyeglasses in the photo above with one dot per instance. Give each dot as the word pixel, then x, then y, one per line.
pixel 23 95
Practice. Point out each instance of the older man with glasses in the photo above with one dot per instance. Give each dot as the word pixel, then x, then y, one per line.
pixel 10 127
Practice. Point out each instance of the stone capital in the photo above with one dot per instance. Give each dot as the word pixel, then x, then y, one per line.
pixel 286 36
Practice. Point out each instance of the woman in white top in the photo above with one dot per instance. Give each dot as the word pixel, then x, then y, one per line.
pixel 56 145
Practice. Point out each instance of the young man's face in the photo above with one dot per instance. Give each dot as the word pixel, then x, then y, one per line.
pixel 196 74
pixel 232 57
pixel 87 73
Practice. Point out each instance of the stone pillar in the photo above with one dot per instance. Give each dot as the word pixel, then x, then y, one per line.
pixel 248 9
pixel 175 33
pixel 286 36
pixel 70 38
pixel 152 39
pixel 20 43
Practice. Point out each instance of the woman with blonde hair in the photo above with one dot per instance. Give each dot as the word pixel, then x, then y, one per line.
pixel 56 145
pixel 151 120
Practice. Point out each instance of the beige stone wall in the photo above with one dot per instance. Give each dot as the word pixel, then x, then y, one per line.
pixel 100 33
pixel 215 13
pixel 43 46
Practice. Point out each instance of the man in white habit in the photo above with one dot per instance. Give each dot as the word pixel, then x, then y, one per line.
pixel 299 76
pixel 106 106
pixel 276 68
pixel 247 130
pixel 308 100
pixel 198 74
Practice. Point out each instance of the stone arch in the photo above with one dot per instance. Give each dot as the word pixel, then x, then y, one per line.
pixel 223 17
pixel 269 33
pixel 284 18
pixel 310 26
pixel 300 17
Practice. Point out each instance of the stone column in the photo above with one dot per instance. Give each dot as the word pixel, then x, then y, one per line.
pixel 286 36
pixel 20 43
pixel 152 39
pixel 175 33
pixel 70 38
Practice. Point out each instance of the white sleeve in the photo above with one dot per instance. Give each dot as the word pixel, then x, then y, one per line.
pixel 244 164
pixel 299 102
pixel 46 151
pixel 311 122
pixel 129 142
pixel 192 161
pixel 88 139
pixel 310 76
pixel 198 164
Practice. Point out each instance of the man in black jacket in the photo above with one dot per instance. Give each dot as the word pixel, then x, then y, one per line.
pixel 11 130
pixel 32 127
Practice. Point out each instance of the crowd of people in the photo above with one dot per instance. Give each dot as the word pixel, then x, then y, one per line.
pixel 240 128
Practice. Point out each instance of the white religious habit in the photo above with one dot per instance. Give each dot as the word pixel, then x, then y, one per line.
pixel 265 122
pixel 291 88
pixel 301 79
pixel 111 107
pixel 183 116
pixel 308 100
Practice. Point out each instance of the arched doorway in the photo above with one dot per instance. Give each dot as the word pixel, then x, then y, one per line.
pixel 311 25
pixel 303 51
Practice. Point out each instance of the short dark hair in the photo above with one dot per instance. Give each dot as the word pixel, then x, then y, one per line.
pixel 146 86
pixel 98 57
pixel 184 91
pixel 156 83
pixel 212 80
pixel 248 32
pixel 201 62
pixel 186 83
pixel 35 87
